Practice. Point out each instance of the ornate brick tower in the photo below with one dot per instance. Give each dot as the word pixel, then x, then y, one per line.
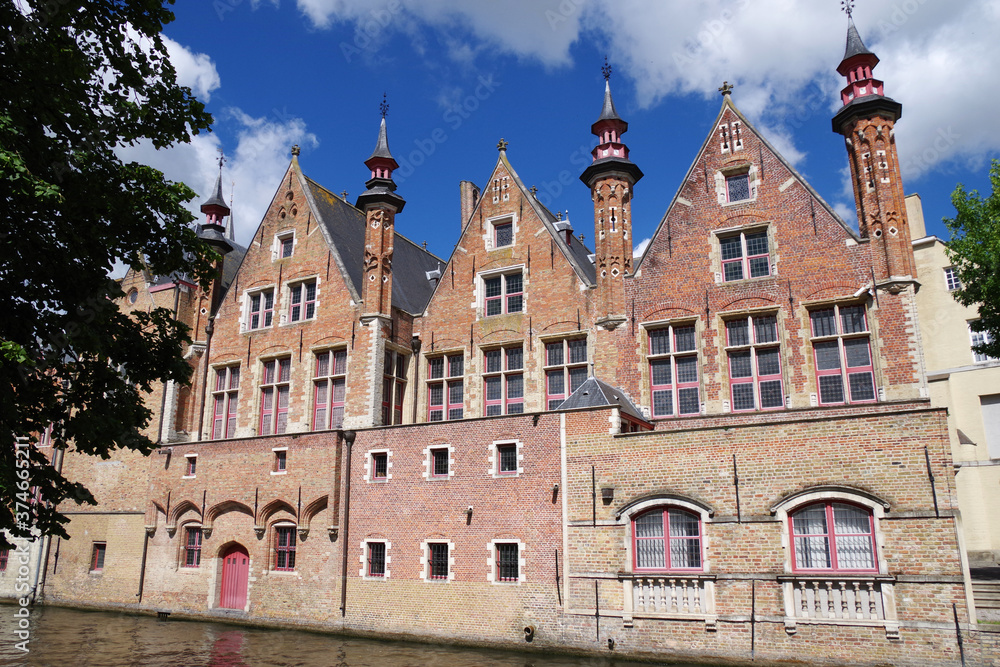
pixel 610 178
pixel 380 204
pixel 866 121
pixel 215 234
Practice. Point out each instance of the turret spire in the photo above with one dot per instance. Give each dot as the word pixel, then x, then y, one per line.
pixel 212 231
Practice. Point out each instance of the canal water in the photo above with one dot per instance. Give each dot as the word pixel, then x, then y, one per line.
pixel 73 638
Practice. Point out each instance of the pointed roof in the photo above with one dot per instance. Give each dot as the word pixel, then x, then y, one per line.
pixel 608 111
pixel 382 145
pixel 216 199
pixel 595 393
pixel 855 47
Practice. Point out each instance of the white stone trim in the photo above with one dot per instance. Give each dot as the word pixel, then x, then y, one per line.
pixel 489 229
pixel 428 463
pixel 494 460
pixel 369 469
pixel 491 565
pixel 187 464
pixel 363 558
pixel 425 557
pixel 704 516
pixel 276 243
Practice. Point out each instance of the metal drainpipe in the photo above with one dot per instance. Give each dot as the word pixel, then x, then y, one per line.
pixel 209 328
pixel 349 441
pixel 163 399
pixel 142 567
pixel 39 584
pixel 415 346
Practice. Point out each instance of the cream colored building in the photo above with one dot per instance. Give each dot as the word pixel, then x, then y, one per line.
pixel 967 384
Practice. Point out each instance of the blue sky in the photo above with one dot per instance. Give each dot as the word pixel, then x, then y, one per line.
pixel 459 75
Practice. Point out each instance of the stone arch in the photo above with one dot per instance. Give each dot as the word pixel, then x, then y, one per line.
pixel 219 509
pixel 272 508
pixel 310 511
pixel 177 511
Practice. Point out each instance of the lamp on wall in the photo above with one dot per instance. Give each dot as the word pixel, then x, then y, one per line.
pixel 607 494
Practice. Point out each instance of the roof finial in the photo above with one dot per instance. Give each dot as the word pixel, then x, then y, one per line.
pixel 384 106
pixel 502 145
pixel 296 150
pixel 847 6
pixel 726 89
pixel 222 159
pixel 343 195
pixel 606 69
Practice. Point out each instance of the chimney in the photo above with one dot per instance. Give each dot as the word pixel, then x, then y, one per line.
pixel 469 195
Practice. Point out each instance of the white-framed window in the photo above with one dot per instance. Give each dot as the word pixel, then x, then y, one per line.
pixel 979 338
pixel 329 389
pixel 506 459
pixel 565 369
pixel 284 245
pixel 375 559
pixel 225 401
pixel 745 255
pixel 503 293
pixel 506 561
pixel 673 370
pixel 445 387
pixel 274 393
pixel 754 354
pixel 260 309
pixel 378 465
pixel 842 352
pixel 284 546
pixel 502 232
pixel 951 280
pixel 503 379
pixel 302 300
pixel 393 387
pixel 191 555
pixel 439 462
pixel 436 561
pixel 736 185
pixel 279 465
pixel 190 466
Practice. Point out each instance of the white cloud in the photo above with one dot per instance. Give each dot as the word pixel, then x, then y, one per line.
pixel 194 70
pixel 782 54
pixel 640 247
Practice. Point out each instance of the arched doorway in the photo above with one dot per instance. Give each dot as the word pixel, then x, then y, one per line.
pixel 235 574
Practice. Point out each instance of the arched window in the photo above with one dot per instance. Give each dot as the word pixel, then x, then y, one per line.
pixel 833 536
pixel 667 538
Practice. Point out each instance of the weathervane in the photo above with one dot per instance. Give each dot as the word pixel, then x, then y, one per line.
pixel 847 6
pixel 222 159
pixel 502 145
pixel 606 69
pixel 726 89
pixel 384 106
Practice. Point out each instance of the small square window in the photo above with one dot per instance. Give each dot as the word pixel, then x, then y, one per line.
pixel 439 462
pixel 503 234
pixel 951 279
pixel 380 465
pixel 192 466
pixel 738 187
pixel 507 459
pixel 508 563
pixel 280 461
pixel 376 559
pixel 97 557
pixel 285 245
pixel 437 557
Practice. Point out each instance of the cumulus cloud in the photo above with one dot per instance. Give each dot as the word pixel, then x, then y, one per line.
pixel 194 70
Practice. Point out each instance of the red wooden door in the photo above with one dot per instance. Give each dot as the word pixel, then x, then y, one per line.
pixel 235 573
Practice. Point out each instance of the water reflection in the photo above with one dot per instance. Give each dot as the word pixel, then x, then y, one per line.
pixel 67 637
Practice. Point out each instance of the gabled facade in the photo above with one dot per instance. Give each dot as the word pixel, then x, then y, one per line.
pixel 720 450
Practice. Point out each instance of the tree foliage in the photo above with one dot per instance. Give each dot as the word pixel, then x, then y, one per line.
pixel 81 78
pixel 974 249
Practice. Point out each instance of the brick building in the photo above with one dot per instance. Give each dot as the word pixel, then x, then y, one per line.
pixel 720 449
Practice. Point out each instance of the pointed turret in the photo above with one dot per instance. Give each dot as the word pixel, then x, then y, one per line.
pixel 610 178
pixel 212 231
pixel 381 188
pixel 866 122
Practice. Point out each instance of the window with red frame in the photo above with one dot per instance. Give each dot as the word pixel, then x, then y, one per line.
pixel 225 398
pixel 445 387
pixel 261 309
pixel 508 563
pixel 754 363
pixel 302 302
pixel 504 294
pixel 380 465
pixel 507 459
pixel 329 389
pixel 504 379
pixel 274 391
pixel 565 369
pixel 376 559
pixel 284 549
pixel 673 371
pixel 842 349
pixel 192 547
pixel 438 560
pixel 667 538
pixel 287 244
pixel 97 556
pixel 280 461
pixel 738 187
pixel 503 234
pixel 439 462
pixel 745 255
pixel 833 536
pixel 192 465
pixel 393 387
pixel 4 557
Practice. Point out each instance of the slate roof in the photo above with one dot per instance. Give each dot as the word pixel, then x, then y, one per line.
pixel 382 144
pixel 855 47
pixel 595 393
pixel 216 198
pixel 344 226
pixel 608 111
